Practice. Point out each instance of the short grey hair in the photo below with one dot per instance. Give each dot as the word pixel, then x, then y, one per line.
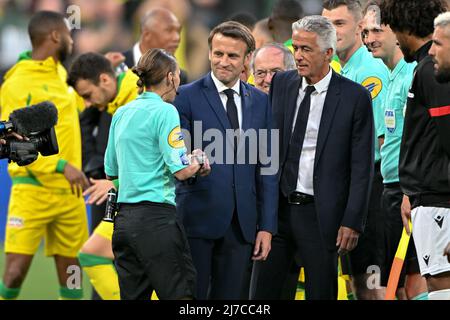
pixel 442 20
pixel 288 57
pixel 326 33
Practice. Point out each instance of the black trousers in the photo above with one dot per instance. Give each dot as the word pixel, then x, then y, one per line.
pixel 298 233
pixel 223 265
pixel 152 253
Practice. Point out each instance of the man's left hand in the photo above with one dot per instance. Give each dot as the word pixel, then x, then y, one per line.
pixel 347 240
pixel 262 245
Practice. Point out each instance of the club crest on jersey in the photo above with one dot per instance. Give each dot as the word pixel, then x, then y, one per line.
pixel 374 85
pixel 175 138
pixel 15 222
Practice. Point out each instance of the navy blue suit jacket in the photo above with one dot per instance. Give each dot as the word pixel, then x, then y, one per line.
pixel 343 166
pixel 207 205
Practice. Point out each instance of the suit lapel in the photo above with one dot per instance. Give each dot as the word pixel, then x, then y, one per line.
pixel 329 110
pixel 292 93
pixel 215 103
pixel 247 108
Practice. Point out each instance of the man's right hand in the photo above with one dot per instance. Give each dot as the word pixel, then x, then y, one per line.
pixel 77 179
pixel 406 213
pixel 98 191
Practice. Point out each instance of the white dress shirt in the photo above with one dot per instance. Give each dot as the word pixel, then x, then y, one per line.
pixel 308 154
pixel 137 54
pixel 223 97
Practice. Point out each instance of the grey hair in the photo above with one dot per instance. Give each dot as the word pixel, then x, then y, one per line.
pixel 442 20
pixel 288 57
pixel 326 33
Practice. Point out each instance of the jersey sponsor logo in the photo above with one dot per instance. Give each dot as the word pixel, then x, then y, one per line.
pixel 374 85
pixel 389 120
pixel 175 138
pixel 15 222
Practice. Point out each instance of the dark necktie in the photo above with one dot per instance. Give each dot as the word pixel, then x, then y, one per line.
pixel 231 109
pixel 289 175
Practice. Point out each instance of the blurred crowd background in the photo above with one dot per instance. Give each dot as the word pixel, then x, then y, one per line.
pixel 113 25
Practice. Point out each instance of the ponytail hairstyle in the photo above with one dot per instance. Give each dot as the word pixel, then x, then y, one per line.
pixel 153 67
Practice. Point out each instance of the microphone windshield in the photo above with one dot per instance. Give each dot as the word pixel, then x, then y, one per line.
pixel 35 118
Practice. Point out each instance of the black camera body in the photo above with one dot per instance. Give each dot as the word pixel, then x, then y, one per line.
pixel 25 152
pixel 35 123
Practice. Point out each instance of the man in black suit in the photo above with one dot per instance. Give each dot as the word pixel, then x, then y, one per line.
pixel 326 158
pixel 160 28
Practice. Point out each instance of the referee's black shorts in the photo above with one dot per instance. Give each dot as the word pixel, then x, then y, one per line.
pixel 368 252
pixel 152 253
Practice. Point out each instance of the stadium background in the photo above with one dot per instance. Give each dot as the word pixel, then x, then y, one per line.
pixel 41 281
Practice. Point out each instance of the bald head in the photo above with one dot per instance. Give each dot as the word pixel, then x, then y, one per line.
pixel 160 28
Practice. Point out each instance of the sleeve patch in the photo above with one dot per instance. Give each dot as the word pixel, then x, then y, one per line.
pixel 175 138
pixel 374 85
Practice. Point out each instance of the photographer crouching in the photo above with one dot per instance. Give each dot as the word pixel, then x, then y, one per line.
pixel 145 150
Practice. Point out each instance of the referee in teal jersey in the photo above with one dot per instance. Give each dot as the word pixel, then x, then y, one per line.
pixel 145 151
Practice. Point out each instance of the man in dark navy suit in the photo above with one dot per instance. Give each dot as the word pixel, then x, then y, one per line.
pixel 326 160
pixel 229 216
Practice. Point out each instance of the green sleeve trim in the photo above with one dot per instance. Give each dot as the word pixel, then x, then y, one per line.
pixel 8 293
pixel 119 80
pixel 66 293
pixel 26 55
pixel 61 165
pixel 116 183
pixel 90 260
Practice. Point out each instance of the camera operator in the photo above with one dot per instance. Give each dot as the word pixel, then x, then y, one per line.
pixel 145 150
pixel 45 198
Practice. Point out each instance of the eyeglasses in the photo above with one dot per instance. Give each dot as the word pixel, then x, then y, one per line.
pixel 261 74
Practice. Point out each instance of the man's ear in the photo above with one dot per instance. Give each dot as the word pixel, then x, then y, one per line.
pixel 104 78
pixel 55 36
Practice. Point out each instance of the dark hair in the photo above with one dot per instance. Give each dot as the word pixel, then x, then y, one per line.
pixel 89 66
pixel 354 6
pixel 153 67
pixel 42 23
pixel 234 30
pixel 413 16
pixel 289 10
pixel 247 19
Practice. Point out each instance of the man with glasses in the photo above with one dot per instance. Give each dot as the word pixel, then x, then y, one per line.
pixel 267 60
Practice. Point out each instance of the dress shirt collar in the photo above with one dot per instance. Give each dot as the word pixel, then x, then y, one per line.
pixel 320 86
pixel 221 87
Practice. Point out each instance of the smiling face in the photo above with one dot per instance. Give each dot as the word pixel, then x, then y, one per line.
pixel 379 38
pixel 312 62
pixel 228 58
pixel 440 52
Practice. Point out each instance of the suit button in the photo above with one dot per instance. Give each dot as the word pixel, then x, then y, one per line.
pixel 232 185
pixel 315 177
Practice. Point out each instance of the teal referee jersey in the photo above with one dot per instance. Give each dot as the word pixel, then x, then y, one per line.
pixel 145 148
pixel 400 81
pixel 372 74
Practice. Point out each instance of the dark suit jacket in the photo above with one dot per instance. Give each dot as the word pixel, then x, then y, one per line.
pixel 129 61
pixel 343 167
pixel 94 146
pixel 207 206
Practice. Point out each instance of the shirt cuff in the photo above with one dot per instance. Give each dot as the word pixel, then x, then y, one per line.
pixel 61 165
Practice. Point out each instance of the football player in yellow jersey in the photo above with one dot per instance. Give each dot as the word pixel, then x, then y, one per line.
pixel 45 199
pixel 94 79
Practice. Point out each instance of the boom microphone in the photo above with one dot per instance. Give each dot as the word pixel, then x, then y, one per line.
pixel 35 118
